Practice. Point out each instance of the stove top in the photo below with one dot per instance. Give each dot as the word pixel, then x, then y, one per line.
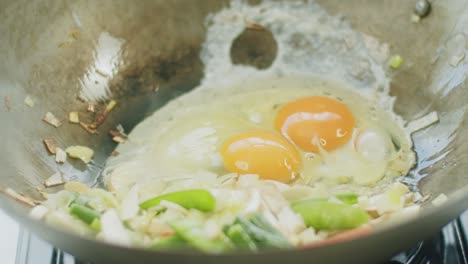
pixel 450 246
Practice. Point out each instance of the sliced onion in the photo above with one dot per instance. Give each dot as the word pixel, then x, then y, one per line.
pixel 113 230
pixel 54 180
pixel 51 119
pixel 60 155
pixel 422 122
pixel 439 200
pixel 68 223
pixel 38 212
pixel 130 204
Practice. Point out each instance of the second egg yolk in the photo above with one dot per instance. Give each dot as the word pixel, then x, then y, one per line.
pixel 315 121
pixel 263 153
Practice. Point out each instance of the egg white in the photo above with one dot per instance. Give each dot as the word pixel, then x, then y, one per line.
pixel 183 139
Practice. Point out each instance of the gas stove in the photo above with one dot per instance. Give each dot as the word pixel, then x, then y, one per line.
pixel 449 246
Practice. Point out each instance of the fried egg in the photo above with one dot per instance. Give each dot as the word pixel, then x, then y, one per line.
pixel 286 129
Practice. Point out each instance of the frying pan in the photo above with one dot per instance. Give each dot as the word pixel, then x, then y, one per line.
pixel 50 49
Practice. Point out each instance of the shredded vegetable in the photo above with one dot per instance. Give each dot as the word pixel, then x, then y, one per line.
pixel 91 108
pixel 55 180
pixel 39 212
pixel 348 198
pixel 262 232
pixel 29 101
pixel 194 219
pixel 102 116
pixel 20 197
pixel 439 200
pixel 88 128
pixel 455 60
pixel 74 117
pixel 84 213
pixel 193 232
pixel 8 103
pixel 50 119
pixel 80 152
pixel 77 187
pixel 60 155
pixel 113 230
pixel 50 145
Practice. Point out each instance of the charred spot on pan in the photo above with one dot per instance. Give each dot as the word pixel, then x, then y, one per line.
pixel 141 90
pixel 254 47
pixel 166 70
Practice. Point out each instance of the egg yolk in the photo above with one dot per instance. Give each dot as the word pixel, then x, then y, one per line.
pixel 315 121
pixel 263 153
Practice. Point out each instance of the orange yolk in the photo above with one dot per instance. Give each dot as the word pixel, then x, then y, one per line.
pixel 315 121
pixel 263 153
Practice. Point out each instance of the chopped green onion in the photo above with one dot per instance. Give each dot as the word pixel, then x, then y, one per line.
pixel 84 213
pixel 265 235
pixel 170 243
pixel 110 105
pixel 201 200
pixel 396 61
pixel 330 216
pixel 348 198
pixel 239 237
pixel 96 224
pixel 194 233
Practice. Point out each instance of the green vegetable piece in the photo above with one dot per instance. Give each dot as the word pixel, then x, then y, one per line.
pixel 96 224
pixel 395 193
pixel 240 238
pixel 72 199
pixel 174 242
pixel 265 235
pixel 330 216
pixel 84 213
pixel 348 198
pixel 396 61
pixel 194 233
pixel 191 199
pixel 81 200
